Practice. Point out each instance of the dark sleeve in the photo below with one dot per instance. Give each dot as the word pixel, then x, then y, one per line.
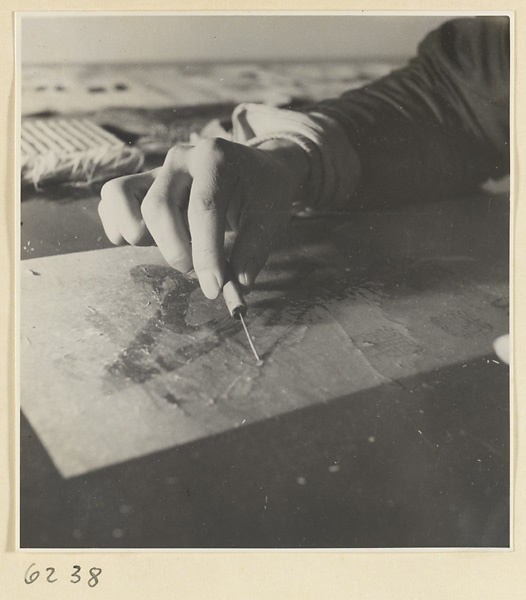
pixel 439 126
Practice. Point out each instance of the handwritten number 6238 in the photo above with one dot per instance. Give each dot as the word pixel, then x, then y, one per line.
pixel 32 575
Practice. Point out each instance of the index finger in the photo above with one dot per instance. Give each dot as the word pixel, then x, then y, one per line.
pixel 163 211
pixel 211 192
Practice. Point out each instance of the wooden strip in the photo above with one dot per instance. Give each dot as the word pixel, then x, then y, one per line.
pixel 54 135
pixel 74 135
pixel 29 134
pixel 99 131
pixel 26 147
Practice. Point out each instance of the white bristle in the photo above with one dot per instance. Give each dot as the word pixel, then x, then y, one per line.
pixel 76 150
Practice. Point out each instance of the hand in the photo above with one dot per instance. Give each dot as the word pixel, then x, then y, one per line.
pixel 184 207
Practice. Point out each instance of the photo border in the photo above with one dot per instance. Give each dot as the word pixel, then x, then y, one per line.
pixel 254 574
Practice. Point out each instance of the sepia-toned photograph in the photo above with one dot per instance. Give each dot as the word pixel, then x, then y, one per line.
pixel 264 281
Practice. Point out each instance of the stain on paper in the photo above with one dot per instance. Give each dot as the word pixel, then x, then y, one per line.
pixel 460 323
pixel 167 341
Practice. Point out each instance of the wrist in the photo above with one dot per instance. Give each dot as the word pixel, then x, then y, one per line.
pixel 291 155
pixel 334 168
pixel 297 155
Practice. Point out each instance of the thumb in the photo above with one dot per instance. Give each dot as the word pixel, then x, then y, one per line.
pixel 257 232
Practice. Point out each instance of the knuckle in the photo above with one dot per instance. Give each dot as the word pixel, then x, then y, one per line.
pixel 111 188
pixel 212 152
pixel 205 203
pixel 213 145
pixel 174 155
pixel 150 208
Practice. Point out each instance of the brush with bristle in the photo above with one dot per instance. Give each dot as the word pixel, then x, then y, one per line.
pixel 75 151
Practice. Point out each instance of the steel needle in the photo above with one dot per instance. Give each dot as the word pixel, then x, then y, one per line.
pixel 249 338
pixel 236 307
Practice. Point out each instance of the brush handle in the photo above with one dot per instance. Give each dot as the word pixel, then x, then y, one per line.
pixel 234 299
pixel 231 294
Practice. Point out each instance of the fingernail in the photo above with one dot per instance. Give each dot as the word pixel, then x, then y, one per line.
pixel 209 284
pixel 248 274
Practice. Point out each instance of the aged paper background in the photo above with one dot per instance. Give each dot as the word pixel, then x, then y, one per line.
pixel 195 575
